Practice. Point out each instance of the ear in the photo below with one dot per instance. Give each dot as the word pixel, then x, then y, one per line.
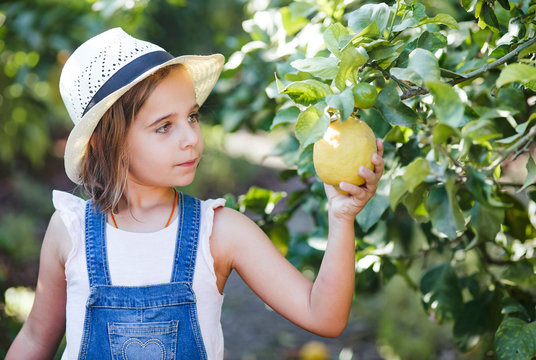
pixel 91 141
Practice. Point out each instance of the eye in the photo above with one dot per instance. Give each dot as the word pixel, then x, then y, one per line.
pixel 194 117
pixel 164 128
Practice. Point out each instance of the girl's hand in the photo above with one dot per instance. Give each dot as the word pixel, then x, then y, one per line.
pixel 347 206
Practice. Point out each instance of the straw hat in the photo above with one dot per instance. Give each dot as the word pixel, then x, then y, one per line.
pixel 105 67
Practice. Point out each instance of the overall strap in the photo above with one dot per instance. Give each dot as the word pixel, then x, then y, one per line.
pixel 187 239
pixel 97 261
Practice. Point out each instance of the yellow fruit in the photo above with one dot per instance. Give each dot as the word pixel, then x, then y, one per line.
pixel 344 148
pixel 314 350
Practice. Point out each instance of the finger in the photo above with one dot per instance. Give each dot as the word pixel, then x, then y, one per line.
pixel 369 176
pixel 378 162
pixel 330 190
pixel 355 191
pixel 379 146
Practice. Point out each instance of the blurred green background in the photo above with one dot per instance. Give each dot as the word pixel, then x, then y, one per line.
pixel 37 36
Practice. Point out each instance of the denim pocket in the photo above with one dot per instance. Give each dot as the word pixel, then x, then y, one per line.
pixel 147 341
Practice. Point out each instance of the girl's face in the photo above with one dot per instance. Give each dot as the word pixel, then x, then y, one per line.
pixel 164 142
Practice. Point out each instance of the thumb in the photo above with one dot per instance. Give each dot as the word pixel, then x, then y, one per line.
pixel 331 191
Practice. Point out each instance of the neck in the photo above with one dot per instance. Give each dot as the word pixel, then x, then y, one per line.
pixel 141 198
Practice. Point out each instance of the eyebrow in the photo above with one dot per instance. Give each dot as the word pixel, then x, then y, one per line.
pixel 193 108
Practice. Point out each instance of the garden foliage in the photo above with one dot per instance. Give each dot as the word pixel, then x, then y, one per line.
pixel 456 111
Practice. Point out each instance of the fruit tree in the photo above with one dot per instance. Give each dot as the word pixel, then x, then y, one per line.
pixel 455 107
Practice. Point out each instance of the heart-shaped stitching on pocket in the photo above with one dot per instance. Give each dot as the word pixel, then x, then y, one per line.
pixel 135 349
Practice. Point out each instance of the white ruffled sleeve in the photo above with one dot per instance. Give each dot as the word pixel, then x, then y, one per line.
pixel 207 221
pixel 71 209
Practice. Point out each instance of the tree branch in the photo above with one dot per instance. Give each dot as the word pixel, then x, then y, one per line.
pixel 450 157
pixel 525 140
pixel 387 75
pixel 473 74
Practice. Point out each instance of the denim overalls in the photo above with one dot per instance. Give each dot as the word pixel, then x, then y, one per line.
pixel 148 322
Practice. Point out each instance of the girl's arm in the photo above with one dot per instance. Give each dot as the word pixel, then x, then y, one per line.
pixel 43 330
pixel 321 307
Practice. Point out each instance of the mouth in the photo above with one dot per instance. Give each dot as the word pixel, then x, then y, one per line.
pixel 188 163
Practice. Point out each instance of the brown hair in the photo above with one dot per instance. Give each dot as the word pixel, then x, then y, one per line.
pixel 105 164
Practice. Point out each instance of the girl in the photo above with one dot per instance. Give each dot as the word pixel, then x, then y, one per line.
pixel 138 271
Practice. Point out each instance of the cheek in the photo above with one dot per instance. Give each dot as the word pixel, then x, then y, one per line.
pixel 201 144
pixel 141 153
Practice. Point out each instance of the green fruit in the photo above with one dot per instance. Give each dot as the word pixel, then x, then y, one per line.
pixel 365 95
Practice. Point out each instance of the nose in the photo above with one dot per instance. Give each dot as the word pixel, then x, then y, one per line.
pixel 188 136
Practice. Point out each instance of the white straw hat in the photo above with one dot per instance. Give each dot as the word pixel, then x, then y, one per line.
pixel 106 66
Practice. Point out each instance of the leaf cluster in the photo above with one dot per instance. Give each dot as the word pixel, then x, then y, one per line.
pixel 456 112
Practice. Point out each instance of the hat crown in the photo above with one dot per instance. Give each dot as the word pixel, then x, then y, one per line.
pixel 94 63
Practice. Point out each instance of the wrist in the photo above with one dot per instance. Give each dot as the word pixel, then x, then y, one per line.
pixel 340 216
pixel 340 221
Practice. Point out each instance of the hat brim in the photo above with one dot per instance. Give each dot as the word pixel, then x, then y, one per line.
pixel 204 71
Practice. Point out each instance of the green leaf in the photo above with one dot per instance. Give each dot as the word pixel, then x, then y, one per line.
pixel 442 132
pixel 384 55
pixel 441 292
pixel 375 120
pixel 512 307
pixel 406 74
pixel 306 92
pixel 486 16
pixel 414 202
pixel 371 31
pixel 292 24
pixel 259 200
pixel 374 209
pixel 447 104
pixel 531 174
pixel 305 162
pixel 351 60
pixel 480 187
pixel 324 68
pixel 486 221
pixel 399 134
pixel 515 339
pixel 516 72
pixel 424 63
pixel 477 317
pixel 361 18
pixel 301 8
pixel 415 173
pixel 522 273
pixel 442 19
pixel 468 5
pixel 333 36
pixel 311 126
pixel 394 111
pixel 344 102
pixel 285 116
pixel 432 41
pixel 505 4
pixel 418 11
pixel 398 190
pixel 444 211
pixel 481 131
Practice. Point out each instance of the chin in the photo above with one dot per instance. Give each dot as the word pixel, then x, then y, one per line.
pixel 184 181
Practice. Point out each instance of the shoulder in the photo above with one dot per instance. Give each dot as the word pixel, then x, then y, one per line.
pixel 235 233
pixel 57 239
pixel 228 227
pixel 67 223
pixel 228 221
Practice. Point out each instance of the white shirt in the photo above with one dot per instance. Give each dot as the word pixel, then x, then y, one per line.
pixel 137 259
